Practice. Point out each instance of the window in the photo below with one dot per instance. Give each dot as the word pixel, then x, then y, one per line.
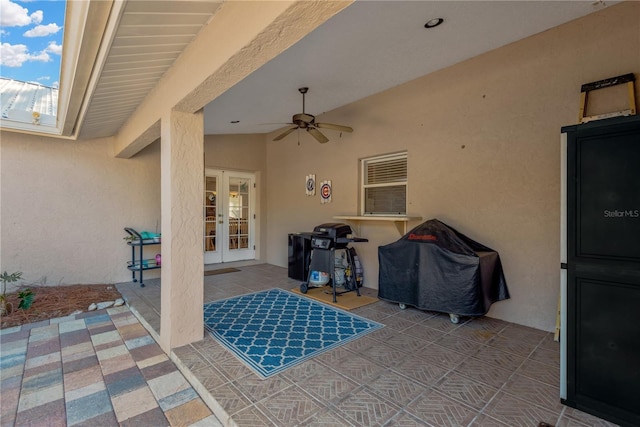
pixel 384 185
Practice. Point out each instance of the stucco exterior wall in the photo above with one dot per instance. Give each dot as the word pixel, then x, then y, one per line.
pixel 235 152
pixel 483 151
pixel 65 204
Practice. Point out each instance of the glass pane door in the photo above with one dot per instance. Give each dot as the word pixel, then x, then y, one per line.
pixel 228 220
pixel 238 213
pixel 211 213
pixel 240 198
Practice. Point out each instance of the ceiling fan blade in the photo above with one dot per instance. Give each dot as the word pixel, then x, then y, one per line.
pixel 317 135
pixel 334 127
pixel 285 133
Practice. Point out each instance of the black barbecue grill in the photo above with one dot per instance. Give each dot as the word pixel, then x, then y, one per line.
pixel 332 236
pixel 325 239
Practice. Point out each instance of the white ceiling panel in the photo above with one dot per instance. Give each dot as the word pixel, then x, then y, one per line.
pixel 151 35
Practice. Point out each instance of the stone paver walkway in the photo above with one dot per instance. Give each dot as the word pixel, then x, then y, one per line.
pixel 100 368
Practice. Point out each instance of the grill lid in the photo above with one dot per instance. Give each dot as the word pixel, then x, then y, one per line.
pixel 332 230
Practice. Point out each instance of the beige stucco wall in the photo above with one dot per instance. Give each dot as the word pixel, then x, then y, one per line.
pixel 483 149
pixel 235 152
pixel 65 204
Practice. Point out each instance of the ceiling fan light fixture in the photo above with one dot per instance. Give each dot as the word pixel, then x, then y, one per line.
pixel 432 23
pixel 308 121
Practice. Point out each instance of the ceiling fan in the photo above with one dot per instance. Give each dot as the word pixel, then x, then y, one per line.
pixel 308 122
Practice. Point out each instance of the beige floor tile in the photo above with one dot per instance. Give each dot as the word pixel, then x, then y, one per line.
pixel 76 352
pixel 152 361
pixel 105 337
pixel 187 414
pixel 30 400
pixel 111 352
pixel 134 403
pixel 117 363
pixel 168 384
pixel 82 378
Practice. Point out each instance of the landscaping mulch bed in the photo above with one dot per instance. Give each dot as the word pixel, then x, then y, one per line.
pixel 50 302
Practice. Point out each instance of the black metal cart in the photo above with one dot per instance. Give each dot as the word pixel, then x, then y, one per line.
pixel 138 263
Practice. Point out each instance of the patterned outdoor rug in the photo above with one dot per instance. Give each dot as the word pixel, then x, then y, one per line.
pixel 273 330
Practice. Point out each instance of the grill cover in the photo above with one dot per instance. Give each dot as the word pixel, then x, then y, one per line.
pixel 434 267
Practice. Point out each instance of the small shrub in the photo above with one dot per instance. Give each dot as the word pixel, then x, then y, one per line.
pixel 7 278
pixel 26 299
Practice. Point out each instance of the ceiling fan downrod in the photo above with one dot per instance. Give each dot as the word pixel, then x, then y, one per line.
pixel 303 91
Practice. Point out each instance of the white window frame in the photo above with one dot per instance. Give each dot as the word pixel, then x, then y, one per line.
pixel 363 179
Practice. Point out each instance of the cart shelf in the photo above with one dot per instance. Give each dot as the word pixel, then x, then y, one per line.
pixel 138 264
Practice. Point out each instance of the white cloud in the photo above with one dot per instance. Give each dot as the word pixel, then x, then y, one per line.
pixel 55 85
pixel 36 17
pixel 14 15
pixel 42 30
pixel 43 78
pixel 13 55
pixel 16 55
pixel 40 56
pixel 54 48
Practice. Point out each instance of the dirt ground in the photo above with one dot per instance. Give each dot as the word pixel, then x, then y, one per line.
pixel 56 301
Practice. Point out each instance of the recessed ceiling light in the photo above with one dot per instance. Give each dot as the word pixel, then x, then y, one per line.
pixel 432 23
pixel 234 121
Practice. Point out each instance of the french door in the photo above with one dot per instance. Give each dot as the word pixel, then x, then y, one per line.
pixel 228 216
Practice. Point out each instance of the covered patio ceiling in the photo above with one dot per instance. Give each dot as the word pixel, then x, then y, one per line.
pixel 368 47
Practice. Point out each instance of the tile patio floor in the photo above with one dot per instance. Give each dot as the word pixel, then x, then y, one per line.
pixel 419 370
pixel 98 369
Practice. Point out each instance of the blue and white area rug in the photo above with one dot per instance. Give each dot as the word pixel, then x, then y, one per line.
pixel 273 330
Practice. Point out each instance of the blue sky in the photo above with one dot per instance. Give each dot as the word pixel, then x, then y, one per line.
pixel 31 40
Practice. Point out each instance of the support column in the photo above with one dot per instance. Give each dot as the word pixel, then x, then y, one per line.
pixel 182 171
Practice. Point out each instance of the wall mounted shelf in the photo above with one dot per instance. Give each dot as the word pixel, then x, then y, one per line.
pixel 399 221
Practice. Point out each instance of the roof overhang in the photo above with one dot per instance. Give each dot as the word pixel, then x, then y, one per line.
pixel 87 25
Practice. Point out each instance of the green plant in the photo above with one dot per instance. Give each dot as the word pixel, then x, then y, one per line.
pixel 7 278
pixel 26 299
